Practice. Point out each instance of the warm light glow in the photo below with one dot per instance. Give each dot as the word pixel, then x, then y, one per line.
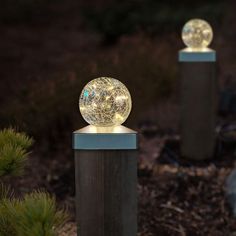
pixel 197 34
pixel 105 102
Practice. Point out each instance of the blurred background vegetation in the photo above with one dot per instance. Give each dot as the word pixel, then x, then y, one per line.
pixel 51 49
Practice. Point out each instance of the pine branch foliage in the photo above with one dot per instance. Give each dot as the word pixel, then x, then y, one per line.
pixel 6 198
pixel 36 213
pixel 13 152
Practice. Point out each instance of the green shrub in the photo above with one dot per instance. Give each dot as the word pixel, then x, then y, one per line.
pixel 13 152
pixel 34 214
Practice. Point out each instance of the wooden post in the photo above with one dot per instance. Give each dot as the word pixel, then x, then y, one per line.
pixel 106 181
pixel 198 103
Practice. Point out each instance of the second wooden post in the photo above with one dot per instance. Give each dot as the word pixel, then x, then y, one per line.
pixel 198 103
pixel 198 91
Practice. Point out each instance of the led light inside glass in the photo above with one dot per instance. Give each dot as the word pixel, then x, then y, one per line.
pixel 105 102
pixel 197 34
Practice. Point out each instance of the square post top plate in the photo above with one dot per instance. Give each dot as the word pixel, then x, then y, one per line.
pixel 204 55
pixel 105 138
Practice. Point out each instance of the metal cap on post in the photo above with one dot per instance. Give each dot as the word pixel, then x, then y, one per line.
pixel 116 138
pixel 198 91
pixel 205 55
pixel 106 162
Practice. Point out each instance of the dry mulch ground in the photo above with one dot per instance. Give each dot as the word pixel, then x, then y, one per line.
pixel 176 196
pixel 185 201
pixel 69 229
pixel 181 202
pixel 182 198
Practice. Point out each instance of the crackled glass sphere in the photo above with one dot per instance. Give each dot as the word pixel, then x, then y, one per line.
pixel 197 34
pixel 105 102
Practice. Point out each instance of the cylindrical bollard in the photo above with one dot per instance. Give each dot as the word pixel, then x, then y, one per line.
pixel 198 103
pixel 106 181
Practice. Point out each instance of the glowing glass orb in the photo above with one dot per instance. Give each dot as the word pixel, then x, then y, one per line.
pixel 197 34
pixel 105 102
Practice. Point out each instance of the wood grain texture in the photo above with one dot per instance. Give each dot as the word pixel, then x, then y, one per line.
pixel 198 109
pixel 106 192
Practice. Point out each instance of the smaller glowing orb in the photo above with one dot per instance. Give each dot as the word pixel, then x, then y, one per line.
pixel 105 102
pixel 197 34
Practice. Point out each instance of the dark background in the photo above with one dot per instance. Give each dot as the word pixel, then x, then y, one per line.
pixel 49 49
